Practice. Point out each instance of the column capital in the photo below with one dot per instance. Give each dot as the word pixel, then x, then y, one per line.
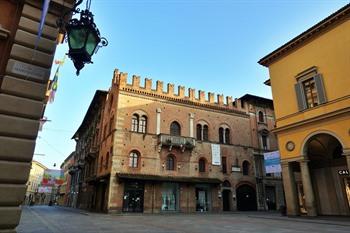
pixel 191 115
pixel 158 110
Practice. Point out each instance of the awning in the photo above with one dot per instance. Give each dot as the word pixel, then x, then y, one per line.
pixel 182 179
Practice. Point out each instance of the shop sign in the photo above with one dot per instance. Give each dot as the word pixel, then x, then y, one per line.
pixel 272 162
pixel 343 172
pixel 215 154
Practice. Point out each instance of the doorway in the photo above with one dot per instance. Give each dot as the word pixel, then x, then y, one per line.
pixel 133 197
pixel 226 194
pixel 246 198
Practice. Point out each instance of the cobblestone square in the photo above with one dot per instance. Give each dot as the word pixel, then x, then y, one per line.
pixel 45 219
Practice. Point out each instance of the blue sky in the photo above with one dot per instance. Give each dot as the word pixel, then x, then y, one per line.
pixel 204 44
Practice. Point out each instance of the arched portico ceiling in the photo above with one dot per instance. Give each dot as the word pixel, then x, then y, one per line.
pixel 320 137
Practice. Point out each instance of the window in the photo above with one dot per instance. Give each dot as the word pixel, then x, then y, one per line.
pixel 261 116
pixel 221 135
pixel 143 124
pixel 199 132
pixel 201 165
pixel 202 132
pixel 107 160
pixel 205 133
pixel 227 136
pixel 175 129
pixel 133 159
pixel 134 123
pixel 245 168
pixel 309 89
pixel 170 163
pixel 264 142
pixel 224 166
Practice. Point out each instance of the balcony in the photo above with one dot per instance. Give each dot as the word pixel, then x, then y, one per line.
pixel 176 141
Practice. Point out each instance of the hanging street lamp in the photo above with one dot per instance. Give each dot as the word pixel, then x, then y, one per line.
pixel 83 36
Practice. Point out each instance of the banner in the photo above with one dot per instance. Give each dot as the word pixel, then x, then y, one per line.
pixel 272 162
pixel 52 177
pixel 44 189
pixel 215 154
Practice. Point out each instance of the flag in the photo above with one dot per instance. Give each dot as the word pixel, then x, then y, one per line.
pixel 42 21
pixel 53 86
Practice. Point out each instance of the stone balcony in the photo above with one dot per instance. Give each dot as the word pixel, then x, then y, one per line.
pixel 176 141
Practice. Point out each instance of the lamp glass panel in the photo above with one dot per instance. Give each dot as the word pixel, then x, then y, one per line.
pixel 91 43
pixel 77 38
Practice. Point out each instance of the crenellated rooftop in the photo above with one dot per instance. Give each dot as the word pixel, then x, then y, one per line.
pixel 220 102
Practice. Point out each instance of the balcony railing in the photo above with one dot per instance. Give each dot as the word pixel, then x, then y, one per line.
pixel 176 141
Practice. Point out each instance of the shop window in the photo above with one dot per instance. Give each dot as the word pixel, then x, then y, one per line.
pixel 175 129
pixel 134 159
pixel 245 168
pixel 169 197
pixel 170 163
pixel 310 89
pixel 201 165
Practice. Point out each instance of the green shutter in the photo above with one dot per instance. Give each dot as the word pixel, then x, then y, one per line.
pixel 321 94
pixel 300 96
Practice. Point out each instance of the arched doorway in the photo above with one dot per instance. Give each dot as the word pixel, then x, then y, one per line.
pixel 324 152
pixel 246 198
pixel 226 196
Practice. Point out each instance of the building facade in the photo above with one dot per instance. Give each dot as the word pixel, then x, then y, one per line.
pixel 23 83
pixel 66 196
pixel 87 152
pixel 309 77
pixel 171 152
pixel 269 187
pixel 35 178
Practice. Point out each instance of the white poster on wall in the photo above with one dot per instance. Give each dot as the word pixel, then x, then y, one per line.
pixel 215 154
pixel 272 162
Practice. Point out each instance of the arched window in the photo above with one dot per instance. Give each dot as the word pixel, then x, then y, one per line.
pixel 201 165
pixel 245 168
pixel 134 123
pixel 221 135
pixel 143 124
pixel 170 163
pixel 175 129
pixel 261 116
pixel 205 133
pixel 134 159
pixel 199 131
pixel 107 160
pixel 227 136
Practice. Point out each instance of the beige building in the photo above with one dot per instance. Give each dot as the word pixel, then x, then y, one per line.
pixel 35 178
pixel 171 151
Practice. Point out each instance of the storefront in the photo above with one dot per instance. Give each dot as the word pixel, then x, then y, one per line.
pixel 156 194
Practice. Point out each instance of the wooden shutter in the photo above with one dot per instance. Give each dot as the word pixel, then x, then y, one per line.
pixel 300 96
pixel 321 94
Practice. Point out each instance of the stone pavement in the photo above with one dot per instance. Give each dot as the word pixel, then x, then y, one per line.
pixel 45 219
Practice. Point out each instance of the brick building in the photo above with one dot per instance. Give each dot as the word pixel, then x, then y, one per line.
pixel 166 151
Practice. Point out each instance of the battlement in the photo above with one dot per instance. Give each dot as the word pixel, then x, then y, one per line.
pixel 121 81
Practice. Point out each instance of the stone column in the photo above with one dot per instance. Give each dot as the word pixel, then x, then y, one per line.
pixel 290 189
pixel 191 124
pixel 308 190
pixel 158 121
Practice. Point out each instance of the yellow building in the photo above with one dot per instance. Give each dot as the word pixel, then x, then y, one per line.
pixel 35 177
pixel 310 81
